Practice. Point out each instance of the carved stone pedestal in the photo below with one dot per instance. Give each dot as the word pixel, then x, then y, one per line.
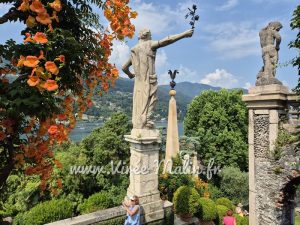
pixel 267 105
pixel 144 159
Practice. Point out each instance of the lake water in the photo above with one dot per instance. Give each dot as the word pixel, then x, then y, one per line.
pixel 84 128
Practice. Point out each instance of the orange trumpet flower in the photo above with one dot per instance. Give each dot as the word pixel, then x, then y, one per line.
pixel 40 37
pixel 33 81
pixel 44 18
pixel 51 85
pixel 31 61
pixel 51 67
pixel 38 7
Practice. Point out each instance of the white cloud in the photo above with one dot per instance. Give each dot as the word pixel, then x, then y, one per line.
pixel 161 60
pixel 161 18
pixel 120 53
pixel 228 5
pixel 233 40
pixel 220 78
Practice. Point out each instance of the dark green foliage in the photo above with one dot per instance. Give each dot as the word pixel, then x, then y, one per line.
pixel 169 183
pixel 186 200
pixel 207 210
pixel 98 149
pixel 219 120
pixel 214 192
pixel 295 25
pixel 221 211
pixel 234 185
pixel 20 194
pixel 47 212
pixel 95 202
pixel 225 202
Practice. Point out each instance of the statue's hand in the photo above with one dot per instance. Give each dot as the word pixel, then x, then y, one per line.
pixel 189 33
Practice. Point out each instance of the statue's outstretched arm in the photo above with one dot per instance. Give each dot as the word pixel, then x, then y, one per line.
pixel 171 39
pixel 126 70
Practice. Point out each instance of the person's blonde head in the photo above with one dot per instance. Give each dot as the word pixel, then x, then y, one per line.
pixel 135 199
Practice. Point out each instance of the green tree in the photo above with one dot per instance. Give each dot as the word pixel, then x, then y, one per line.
pixel 219 121
pixel 234 185
pixel 295 25
pixel 103 146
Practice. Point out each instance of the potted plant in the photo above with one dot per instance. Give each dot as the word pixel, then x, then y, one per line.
pixel 186 202
pixel 207 212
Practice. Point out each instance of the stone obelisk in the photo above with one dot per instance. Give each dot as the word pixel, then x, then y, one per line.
pixel 172 144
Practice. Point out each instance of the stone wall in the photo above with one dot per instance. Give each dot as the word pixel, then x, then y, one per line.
pixel 273 169
pixel 114 216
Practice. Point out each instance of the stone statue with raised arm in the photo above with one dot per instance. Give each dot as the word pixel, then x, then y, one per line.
pixel 145 85
pixel 270 41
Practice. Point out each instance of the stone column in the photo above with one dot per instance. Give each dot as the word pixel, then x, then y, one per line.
pixel 265 104
pixel 172 145
pixel 144 159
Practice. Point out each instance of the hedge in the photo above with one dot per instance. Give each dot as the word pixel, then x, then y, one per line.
pixel 226 202
pixel 221 211
pixel 46 212
pixel 98 201
pixel 207 210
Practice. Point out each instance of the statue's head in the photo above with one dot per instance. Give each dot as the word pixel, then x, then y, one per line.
pixel 145 34
pixel 275 25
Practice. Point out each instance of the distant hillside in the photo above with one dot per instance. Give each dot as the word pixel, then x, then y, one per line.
pixel 191 89
pixel 119 98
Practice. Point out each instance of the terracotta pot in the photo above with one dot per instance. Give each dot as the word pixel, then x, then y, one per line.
pixel 186 217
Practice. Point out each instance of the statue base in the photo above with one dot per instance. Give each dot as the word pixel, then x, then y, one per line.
pixel 267 81
pixel 144 161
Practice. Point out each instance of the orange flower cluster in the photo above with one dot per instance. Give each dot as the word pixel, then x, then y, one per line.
pixel 40 12
pixel 45 74
pixel 119 14
pixel 40 76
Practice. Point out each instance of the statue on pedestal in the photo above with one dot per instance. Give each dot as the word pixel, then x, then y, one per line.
pixel 270 41
pixel 145 86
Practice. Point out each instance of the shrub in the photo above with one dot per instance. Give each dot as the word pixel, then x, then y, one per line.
pixel 19 219
pixel 186 200
pixel 95 202
pixel 239 219
pixel 234 185
pixel 221 212
pixel 225 202
pixel 47 212
pixel 245 220
pixel 207 210
pixel 214 192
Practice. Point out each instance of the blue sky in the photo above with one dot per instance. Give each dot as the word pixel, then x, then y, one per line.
pixel 224 50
